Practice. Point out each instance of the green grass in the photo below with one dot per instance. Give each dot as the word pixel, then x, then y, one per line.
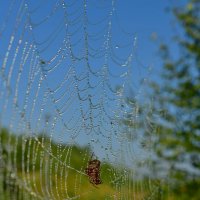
pixel 29 161
pixel 63 181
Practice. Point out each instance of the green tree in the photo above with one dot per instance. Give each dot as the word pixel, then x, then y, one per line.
pixel 177 97
pixel 173 121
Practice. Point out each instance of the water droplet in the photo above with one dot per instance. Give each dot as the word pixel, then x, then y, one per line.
pixel 12 175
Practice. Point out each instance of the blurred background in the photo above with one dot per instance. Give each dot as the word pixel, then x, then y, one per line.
pixel 112 81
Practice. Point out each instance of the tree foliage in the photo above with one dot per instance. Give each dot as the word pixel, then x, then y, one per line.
pixel 177 141
pixel 174 118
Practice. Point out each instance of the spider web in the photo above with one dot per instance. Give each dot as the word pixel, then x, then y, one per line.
pixel 65 70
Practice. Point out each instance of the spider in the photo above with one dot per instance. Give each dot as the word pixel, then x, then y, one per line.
pixel 93 171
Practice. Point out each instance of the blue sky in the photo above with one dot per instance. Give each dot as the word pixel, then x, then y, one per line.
pixel 143 18
pixel 146 18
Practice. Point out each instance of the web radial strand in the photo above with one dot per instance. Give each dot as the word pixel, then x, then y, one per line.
pixel 64 80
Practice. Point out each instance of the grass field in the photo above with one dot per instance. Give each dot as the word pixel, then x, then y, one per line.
pixel 35 168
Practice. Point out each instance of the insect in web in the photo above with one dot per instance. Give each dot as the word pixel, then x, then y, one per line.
pixel 93 171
